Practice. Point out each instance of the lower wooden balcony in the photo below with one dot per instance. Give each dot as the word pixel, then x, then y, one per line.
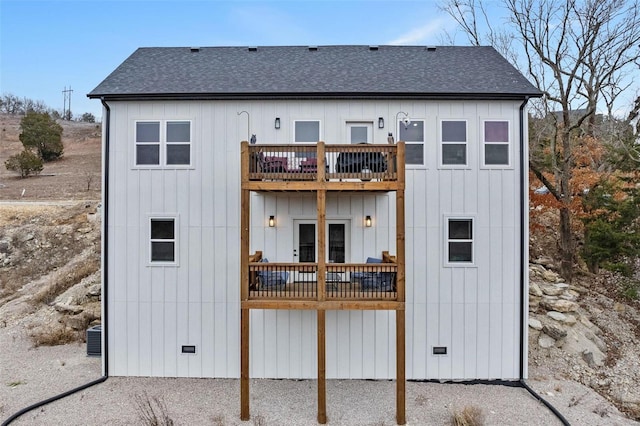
pixel 368 283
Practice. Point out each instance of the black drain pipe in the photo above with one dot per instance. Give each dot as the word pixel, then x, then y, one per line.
pixel 524 268
pixel 105 286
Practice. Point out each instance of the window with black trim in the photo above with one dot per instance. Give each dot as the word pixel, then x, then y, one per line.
pixel 412 133
pixel 453 143
pixel 163 143
pixel 496 143
pixel 459 240
pixel 163 240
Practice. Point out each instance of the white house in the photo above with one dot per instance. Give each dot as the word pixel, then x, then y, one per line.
pixel 176 275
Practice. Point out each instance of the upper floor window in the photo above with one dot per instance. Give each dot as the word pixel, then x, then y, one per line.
pixel 453 143
pixel 496 143
pixel 163 143
pixel 412 134
pixel 306 131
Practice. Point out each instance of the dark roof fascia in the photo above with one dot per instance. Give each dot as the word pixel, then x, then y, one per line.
pixel 314 96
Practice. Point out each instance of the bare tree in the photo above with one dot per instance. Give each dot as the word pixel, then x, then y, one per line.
pixel 578 53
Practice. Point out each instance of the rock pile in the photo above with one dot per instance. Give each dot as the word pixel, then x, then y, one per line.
pixel 557 320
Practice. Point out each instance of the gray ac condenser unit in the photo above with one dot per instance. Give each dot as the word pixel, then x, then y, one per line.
pixel 94 341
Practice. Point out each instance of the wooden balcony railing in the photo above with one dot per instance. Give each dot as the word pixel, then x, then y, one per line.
pixel 304 162
pixel 341 281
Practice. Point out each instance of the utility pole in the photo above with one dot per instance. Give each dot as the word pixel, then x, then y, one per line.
pixel 66 112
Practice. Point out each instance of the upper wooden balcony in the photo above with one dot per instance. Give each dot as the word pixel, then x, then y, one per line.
pixel 310 167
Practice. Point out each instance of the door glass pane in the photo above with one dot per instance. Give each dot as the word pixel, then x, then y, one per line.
pixel 337 243
pixel 307 242
pixel 359 134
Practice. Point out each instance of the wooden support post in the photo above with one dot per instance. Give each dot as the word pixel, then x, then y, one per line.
pixel 245 205
pixel 321 162
pixel 244 364
pixel 400 367
pixel 400 313
pixel 322 384
pixel 322 241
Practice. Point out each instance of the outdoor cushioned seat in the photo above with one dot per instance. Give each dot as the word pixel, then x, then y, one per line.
pixel 272 280
pixel 382 281
pixel 358 276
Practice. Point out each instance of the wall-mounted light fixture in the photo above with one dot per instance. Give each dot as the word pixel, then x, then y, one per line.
pixel 380 122
pixel 272 221
pixel 277 123
pixel 367 221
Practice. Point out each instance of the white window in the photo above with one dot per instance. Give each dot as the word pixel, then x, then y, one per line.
pixel 453 143
pixel 495 138
pixel 162 247
pixel 412 133
pixel 163 143
pixel 306 131
pixel 459 241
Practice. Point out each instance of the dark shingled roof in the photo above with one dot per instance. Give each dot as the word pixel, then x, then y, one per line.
pixel 281 72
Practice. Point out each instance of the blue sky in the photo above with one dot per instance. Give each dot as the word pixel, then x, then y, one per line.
pixel 46 46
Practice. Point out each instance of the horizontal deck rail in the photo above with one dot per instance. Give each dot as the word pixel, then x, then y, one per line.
pixel 324 162
pixel 342 281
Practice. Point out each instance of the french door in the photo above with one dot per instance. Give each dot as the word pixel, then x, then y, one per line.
pixel 305 243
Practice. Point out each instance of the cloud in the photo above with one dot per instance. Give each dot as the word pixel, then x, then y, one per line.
pixel 420 35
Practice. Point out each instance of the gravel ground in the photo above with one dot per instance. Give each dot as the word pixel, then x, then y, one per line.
pixel 29 375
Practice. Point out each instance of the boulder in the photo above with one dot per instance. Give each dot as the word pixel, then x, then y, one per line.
pixel 558 316
pixel 554 331
pixel 546 342
pixel 68 309
pixel 550 276
pixel 559 305
pixel 534 290
pixel 535 324
pixel 551 290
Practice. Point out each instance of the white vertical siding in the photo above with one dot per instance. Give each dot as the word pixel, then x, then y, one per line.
pixel 474 311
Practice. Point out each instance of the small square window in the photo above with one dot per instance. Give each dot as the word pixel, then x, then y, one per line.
pixel 163 241
pixel 460 241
